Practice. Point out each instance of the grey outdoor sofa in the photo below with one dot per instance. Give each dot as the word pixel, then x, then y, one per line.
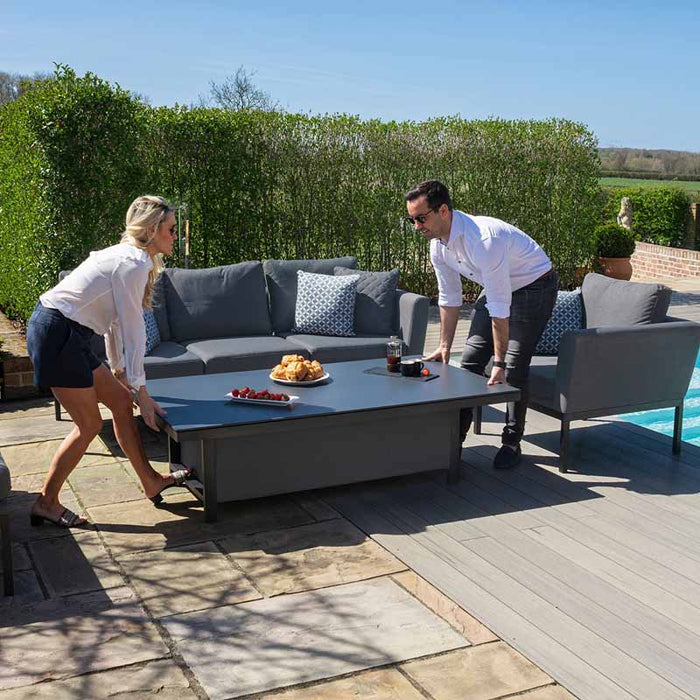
pixel 630 356
pixel 240 317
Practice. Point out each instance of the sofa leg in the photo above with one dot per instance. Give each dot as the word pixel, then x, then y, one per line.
pixel 477 419
pixel 57 409
pixel 8 578
pixel 564 447
pixel 677 429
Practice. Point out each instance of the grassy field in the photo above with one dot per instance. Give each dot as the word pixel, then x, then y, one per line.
pixel 692 188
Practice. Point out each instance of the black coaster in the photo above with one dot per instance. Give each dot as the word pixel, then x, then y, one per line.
pixel 382 372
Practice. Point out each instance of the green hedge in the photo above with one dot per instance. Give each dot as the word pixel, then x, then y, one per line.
pixel 75 151
pixel 659 214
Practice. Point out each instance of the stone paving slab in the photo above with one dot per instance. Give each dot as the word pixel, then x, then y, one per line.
pixel 35 457
pixel 482 672
pixel 297 638
pixel 383 684
pixel 315 506
pixel 26 408
pixel 156 679
pixel 33 428
pixel 187 578
pixel 27 590
pixel 139 526
pixel 449 611
pixel 309 557
pixel 77 563
pixel 549 692
pixel 104 484
pixel 20 558
pixel 18 504
pixel 69 646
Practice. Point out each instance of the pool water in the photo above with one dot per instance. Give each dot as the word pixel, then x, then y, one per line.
pixel 661 420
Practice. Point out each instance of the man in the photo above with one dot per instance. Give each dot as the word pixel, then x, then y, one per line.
pixel 520 288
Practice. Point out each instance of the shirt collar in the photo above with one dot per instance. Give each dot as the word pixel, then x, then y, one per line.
pixel 456 228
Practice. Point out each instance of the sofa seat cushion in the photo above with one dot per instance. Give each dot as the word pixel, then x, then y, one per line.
pixel 375 303
pixel 567 315
pixel 543 374
pixel 238 354
pixel 217 302
pixel 611 302
pixel 333 349
pixel 281 278
pixel 170 359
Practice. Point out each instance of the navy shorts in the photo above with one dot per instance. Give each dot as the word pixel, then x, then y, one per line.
pixel 60 350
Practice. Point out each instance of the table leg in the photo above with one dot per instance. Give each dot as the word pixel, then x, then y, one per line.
pixel 208 465
pixel 174 452
pixel 455 447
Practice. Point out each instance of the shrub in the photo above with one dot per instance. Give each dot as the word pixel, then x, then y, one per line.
pixel 75 151
pixel 613 241
pixel 660 214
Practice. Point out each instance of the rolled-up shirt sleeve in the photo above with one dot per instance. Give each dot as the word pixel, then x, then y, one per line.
pixel 114 347
pixel 448 280
pixel 491 257
pixel 128 285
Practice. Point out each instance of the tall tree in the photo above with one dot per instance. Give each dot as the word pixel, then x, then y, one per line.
pixel 12 85
pixel 239 92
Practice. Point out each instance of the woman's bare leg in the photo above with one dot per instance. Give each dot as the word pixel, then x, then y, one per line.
pixel 113 394
pixel 81 405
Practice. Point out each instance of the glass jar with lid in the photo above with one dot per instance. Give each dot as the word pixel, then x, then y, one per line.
pixel 394 349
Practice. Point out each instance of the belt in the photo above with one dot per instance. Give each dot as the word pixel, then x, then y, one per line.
pixel 549 273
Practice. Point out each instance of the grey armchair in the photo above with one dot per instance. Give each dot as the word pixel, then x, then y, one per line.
pixel 5 542
pixel 630 356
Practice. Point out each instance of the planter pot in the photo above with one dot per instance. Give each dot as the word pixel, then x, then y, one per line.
pixel 618 268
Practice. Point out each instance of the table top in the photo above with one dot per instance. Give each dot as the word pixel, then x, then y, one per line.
pixel 199 402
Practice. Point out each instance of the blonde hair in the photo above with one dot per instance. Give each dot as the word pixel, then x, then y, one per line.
pixel 144 216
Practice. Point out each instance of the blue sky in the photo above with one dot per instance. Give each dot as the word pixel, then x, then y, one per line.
pixel 628 70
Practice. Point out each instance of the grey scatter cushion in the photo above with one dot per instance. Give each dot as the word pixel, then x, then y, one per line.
pixel 611 302
pixel 325 304
pixel 160 309
pixel 217 302
pixel 567 315
pixel 375 304
pixel 281 278
pixel 152 333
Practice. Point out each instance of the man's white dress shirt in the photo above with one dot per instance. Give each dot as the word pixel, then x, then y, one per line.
pixel 496 255
pixel 105 293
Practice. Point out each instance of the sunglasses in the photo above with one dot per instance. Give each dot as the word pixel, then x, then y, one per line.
pixel 420 218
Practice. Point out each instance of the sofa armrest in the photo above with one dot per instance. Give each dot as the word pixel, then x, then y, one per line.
pixel 412 315
pixel 623 368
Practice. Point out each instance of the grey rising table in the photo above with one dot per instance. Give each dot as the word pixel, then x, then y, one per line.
pixel 355 427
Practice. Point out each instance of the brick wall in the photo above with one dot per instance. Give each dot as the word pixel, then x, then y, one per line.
pixel 657 261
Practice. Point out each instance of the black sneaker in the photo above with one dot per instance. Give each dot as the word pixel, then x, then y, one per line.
pixel 507 457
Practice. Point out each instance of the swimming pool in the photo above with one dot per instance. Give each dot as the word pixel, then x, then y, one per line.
pixel 661 420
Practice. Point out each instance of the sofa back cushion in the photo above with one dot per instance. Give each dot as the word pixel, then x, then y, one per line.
pixel 281 278
pixel 375 304
pixel 611 302
pixel 217 302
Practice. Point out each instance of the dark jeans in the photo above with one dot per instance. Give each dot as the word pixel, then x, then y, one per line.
pixel 530 310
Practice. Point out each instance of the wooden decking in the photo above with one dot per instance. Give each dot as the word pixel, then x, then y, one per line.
pixel 594 575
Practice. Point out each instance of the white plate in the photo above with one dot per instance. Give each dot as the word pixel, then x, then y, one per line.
pixel 265 402
pixel 310 383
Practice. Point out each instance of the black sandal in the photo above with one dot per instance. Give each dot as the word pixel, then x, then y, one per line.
pixel 179 478
pixel 67 519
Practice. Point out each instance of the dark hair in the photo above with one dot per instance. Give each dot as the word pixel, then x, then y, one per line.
pixel 435 193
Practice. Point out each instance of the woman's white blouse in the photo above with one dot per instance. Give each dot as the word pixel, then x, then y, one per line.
pixel 105 293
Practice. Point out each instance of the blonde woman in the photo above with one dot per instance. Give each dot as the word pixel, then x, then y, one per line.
pixel 105 294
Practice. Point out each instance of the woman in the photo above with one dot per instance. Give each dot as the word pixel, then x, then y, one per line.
pixel 106 294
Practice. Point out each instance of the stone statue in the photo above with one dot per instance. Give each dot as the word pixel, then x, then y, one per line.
pixel 624 218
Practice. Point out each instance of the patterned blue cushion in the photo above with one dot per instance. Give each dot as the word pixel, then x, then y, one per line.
pixel 152 333
pixel 566 316
pixel 325 304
